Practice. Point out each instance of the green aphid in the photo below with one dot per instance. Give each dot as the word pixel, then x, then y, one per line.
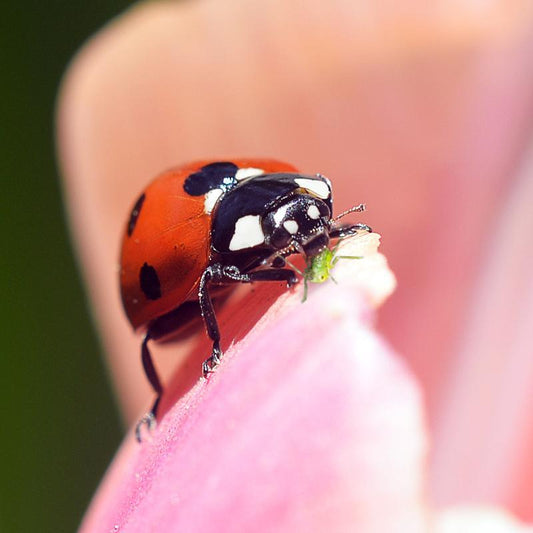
pixel 319 267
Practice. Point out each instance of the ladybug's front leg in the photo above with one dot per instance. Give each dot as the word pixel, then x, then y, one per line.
pixel 347 230
pixel 218 274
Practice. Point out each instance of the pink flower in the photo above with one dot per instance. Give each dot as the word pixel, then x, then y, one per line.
pixel 423 113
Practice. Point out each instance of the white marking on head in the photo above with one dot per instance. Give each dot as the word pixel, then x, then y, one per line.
pixel 318 187
pixel 250 172
pixel 280 214
pixel 291 226
pixel 313 212
pixel 248 233
pixel 210 199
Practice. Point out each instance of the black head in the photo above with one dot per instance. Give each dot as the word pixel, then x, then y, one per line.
pixel 300 223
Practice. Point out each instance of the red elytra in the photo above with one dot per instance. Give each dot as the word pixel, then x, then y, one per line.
pixel 171 233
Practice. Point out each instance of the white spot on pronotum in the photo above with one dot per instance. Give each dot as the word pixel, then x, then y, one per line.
pixel 248 232
pixel 318 187
pixel 322 177
pixel 249 172
pixel 210 199
pixel 291 226
pixel 313 212
pixel 280 214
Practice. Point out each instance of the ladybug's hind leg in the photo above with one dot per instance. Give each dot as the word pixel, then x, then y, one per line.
pixel 149 419
pixel 164 327
pixel 218 274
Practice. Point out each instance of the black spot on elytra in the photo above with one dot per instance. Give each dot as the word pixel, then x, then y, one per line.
pixel 219 175
pixel 149 281
pixel 135 214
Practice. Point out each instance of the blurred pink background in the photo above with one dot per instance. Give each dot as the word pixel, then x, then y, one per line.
pixel 423 113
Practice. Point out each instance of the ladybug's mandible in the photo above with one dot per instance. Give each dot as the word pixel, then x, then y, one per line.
pixel 209 224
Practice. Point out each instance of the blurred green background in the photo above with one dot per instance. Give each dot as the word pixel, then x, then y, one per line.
pixel 60 425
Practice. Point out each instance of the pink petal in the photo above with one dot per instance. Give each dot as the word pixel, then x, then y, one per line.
pixel 309 424
pixel 478 519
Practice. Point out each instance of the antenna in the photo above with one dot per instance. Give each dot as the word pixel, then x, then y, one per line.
pixel 355 208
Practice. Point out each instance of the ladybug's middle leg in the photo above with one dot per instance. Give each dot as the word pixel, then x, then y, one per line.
pixel 218 274
pixel 211 274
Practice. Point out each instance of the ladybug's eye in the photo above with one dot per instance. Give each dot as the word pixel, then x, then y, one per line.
pixel 280 237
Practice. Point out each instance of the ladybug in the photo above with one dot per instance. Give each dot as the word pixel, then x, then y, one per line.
pixel 207 225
